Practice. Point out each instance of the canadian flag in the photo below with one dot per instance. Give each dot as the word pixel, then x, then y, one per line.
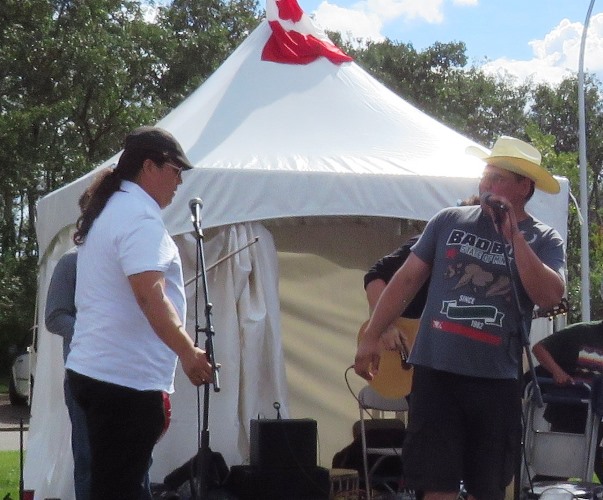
pixel 295 39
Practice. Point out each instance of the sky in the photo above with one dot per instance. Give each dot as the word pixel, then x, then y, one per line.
pixel 538 38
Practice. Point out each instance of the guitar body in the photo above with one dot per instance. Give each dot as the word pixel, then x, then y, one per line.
pixel 394 378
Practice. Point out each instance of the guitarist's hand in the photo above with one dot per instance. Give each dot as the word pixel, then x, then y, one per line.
pixel 393 339
pixel 561 377
pixel 366 363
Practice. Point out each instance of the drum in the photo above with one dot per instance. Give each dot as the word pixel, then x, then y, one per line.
pixel 344 484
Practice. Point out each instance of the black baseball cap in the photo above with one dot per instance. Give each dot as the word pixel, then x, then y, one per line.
pixel 160 140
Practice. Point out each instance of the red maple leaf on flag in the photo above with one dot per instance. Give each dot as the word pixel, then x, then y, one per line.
pixel 295 39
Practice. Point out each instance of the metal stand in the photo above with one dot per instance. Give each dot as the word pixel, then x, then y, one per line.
pixel 206 469
pixel 202 464
pixel 524 345
pixel 21 456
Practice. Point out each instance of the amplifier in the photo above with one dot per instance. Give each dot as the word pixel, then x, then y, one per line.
pixel 283 443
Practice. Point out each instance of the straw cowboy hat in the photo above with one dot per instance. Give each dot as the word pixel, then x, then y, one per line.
pixel 519 157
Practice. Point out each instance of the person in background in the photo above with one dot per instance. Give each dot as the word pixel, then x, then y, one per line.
pixel 131 308
pixel 464 419
pixel 59 319
pixel 569 356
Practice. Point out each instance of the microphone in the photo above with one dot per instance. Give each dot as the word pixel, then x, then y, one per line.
pixel 195 204
pixel 497 206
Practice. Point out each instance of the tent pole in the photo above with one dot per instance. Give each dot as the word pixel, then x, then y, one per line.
pixel 584 247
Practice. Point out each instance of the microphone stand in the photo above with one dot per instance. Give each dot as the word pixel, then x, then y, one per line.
pixel 523 345
pixel 203 463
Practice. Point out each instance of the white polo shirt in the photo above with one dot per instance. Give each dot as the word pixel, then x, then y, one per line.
pixel 113 340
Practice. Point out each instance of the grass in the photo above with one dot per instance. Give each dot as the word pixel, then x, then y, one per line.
pixel 9 463
pixel 9 475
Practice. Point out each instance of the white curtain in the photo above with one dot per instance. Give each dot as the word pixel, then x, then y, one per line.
pixel 48 467
pixel 243 290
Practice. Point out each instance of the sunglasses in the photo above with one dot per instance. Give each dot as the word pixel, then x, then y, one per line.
pixel 176 168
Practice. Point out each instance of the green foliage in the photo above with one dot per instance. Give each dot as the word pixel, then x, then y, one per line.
pixel 199 36
pixel 16 307
pixel 75 77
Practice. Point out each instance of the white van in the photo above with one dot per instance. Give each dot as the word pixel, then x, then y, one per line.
pixel 20 384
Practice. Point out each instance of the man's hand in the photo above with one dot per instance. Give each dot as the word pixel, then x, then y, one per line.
pixel 196 366
pixel 562 378
pixel 505 220
pixel 394 339
pixel 366 363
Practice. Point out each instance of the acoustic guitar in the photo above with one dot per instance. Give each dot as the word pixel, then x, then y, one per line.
pixel 394 378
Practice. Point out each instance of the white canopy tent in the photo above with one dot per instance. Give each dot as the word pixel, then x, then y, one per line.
pixel 325 166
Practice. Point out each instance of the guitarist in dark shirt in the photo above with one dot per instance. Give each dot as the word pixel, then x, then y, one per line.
pixel 397 342
pixel 394 379
pixel 569 356
pixel 378 276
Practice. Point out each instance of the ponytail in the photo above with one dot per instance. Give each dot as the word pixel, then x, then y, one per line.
pixel 93 201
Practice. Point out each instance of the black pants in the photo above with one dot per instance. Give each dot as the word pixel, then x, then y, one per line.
pixel 123 426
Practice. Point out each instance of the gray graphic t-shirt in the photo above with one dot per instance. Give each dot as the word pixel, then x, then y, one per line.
pixel 471 325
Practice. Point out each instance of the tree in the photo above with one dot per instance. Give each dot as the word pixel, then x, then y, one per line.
pixel 199 36
pixel 483 107
pixel 75 77
pixel 555 112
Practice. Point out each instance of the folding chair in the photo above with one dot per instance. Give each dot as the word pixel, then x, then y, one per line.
pixel 372 402
pixel 558 454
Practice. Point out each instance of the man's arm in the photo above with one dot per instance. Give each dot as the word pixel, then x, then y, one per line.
pixel 375 281
pixel 544 286
pixel 373 290
pixel 392 339
pixel 549 364
pixel 149 290
pixel 59 315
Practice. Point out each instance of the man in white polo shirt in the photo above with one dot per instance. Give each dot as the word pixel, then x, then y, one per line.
pixel 129 329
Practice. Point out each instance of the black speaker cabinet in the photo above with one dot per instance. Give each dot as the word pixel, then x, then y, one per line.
pixel 306 483
pixel 283 443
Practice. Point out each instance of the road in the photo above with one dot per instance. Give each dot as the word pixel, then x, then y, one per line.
pixel 10 421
